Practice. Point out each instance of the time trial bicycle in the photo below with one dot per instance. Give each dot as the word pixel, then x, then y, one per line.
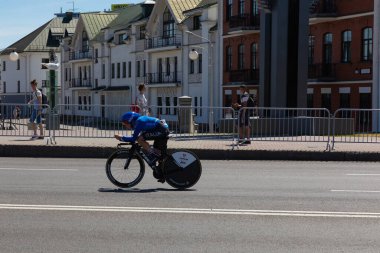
pixel 125 167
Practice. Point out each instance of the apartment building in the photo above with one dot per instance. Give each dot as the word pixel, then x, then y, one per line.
pixel 339 54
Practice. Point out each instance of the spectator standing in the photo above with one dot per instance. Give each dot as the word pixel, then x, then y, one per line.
pixel 141 101
pixel 36 117
pixel 244 123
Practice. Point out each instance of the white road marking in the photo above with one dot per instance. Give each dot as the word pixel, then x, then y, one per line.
pixel 22 169
pixel 191 211
pixel 363 174
pixel 359 191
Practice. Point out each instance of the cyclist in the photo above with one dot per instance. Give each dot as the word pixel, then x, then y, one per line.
pixel 146 128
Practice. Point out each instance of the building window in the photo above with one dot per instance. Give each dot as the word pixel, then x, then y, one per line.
pixel 310 100
pixel 346 46
pixel 129 69
pixel 66 73
pixel 113 70
pixel 4 65
pixel 159 106
pixel 228 58
pixel 196 106
pixel 326 101
pixel 168 29
pixel 124 69
pixel 345 100
pixel 254 55
pixel 175 103
pixel 144 68
pixel 80 103
pixel 85 42
pixel 89 103
pixel 311 49
pixel 191 71
pixel 167 105
pixel 200 63
pixel 142 32
pixel 44 60
pixel 18 87
pixel 327 48
pixel 167 63
pixel 103 71
pixel 118 70
pixel 241 7
pixel 96 54
pixel 229 9
pixel 255 8
pixel 138 68
pixel 18 64
pixel 367 44
pixel 85 102
pixel 241 57
pixel 196 22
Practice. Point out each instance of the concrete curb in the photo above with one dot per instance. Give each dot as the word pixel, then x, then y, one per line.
pixel 205 154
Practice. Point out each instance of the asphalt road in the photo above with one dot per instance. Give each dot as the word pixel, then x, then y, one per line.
pixel 68 205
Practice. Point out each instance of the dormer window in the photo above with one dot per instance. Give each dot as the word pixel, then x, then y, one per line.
pixel 85 42
pixel 197 23
pixel 168 29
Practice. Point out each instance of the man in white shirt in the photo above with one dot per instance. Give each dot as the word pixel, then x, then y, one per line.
pixel 36 118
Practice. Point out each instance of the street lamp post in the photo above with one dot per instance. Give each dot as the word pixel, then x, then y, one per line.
pixel 193 55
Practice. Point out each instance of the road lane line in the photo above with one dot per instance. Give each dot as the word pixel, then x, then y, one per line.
pixel 358 191
pixel 192 211
pixel 22 169
pixel 363 174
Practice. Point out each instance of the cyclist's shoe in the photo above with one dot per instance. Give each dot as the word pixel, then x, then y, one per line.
pixel 158 175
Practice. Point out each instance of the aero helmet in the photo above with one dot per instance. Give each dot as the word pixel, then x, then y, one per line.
pixel 130 117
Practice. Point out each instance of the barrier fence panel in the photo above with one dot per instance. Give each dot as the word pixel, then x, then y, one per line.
pixel 14 119
pixel 197 122
pixel 356 126
pixel 284 124
pixel 89 121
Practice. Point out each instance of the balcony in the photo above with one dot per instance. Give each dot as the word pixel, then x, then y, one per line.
pixel 244 22
pixel 322 72
pixel 245 75
pixel 80 55
pixel 160 42
pixel 323 9
pixel 80 83
pixel 163 78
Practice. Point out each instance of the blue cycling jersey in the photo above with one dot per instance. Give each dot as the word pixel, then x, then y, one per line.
pixel 142 124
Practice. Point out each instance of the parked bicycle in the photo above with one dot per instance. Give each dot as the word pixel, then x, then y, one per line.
pixel 125 167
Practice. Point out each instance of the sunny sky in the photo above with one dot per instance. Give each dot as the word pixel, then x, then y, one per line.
pixel 20 17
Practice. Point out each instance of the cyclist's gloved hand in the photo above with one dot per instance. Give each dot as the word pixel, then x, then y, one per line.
pixel 117 137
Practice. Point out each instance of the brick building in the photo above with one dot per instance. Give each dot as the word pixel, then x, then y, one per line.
pixel 340 52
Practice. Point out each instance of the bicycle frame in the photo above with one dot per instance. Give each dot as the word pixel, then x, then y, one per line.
pixel 135 149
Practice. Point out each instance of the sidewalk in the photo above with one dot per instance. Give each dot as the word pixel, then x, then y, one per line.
pixel 19 146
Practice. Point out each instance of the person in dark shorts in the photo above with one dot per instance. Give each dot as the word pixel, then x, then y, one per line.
pixel 244 123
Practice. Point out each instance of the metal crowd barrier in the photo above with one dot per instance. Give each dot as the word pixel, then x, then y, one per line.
pixel 284 124
pixel 14 119
pixel 356 126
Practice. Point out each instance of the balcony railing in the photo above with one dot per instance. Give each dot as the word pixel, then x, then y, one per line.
pixel 80 55
pixel 159 78
pixel 323 72
pixel 159 42
pixel 78 83
pixel 245 75
pixel 245 22
pixel 324 8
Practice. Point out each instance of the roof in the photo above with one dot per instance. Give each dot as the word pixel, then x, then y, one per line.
pixel 203 4
pixel 130 14
pixel 94 22
pixel 179 6
pixel 38 39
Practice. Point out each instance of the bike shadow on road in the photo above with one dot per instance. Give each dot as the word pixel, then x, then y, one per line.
pixel 138 190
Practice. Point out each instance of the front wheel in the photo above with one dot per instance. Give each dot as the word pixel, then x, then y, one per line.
pixel 182 169
pixel 125 170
